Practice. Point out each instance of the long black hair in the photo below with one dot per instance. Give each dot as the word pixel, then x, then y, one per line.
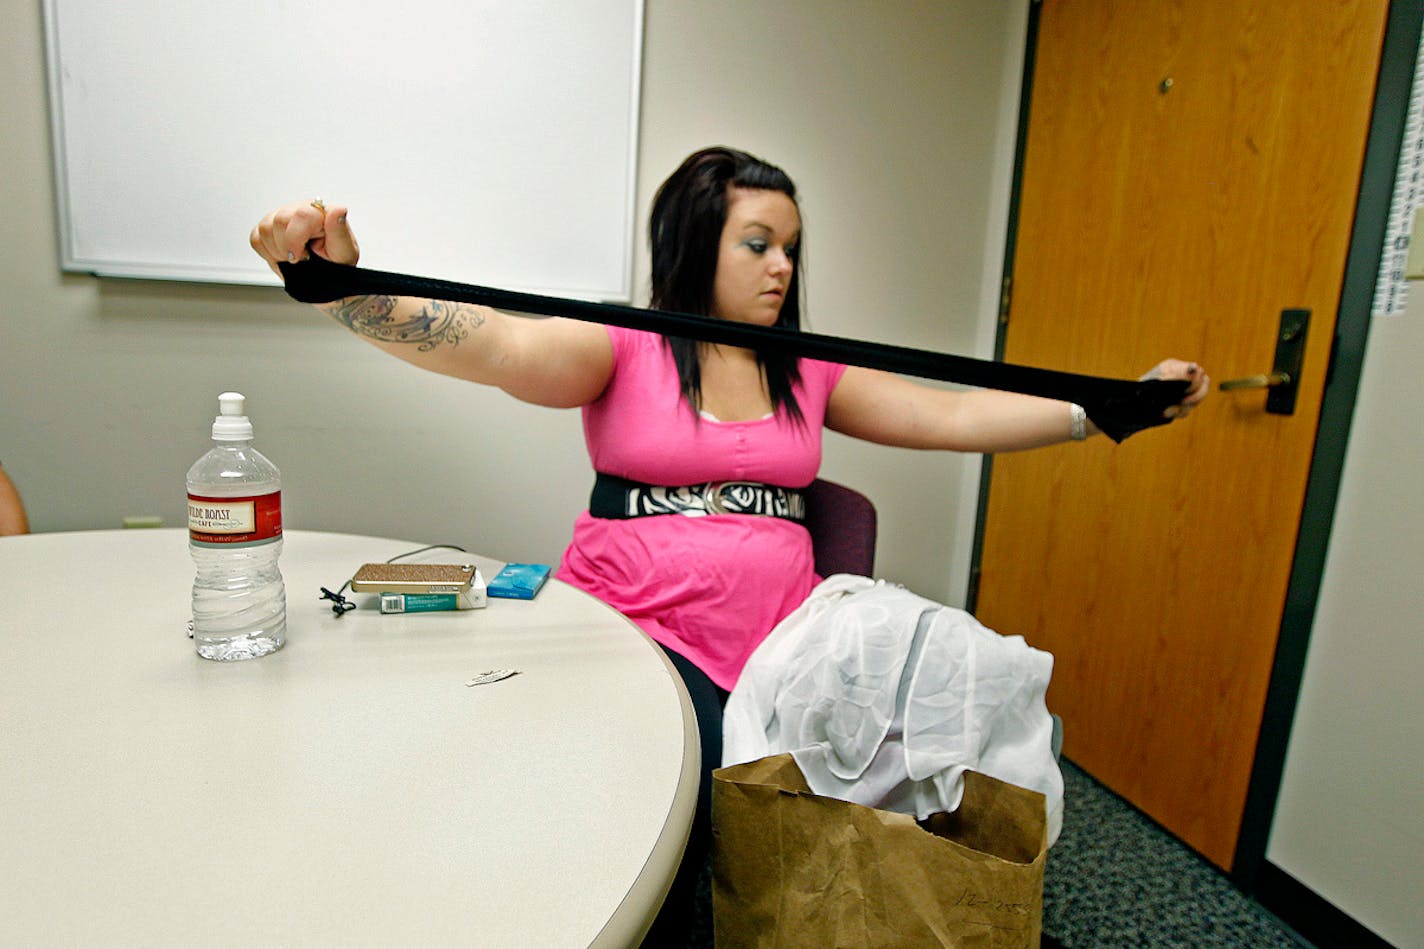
pixel 685 231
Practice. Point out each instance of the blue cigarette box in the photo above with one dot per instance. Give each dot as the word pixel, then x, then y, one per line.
pixel 518 581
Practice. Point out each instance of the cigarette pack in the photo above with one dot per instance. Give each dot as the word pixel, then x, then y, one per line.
pixel 519 581
pixel 472 599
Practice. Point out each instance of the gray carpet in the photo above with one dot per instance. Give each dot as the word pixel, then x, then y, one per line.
pixel 1115 879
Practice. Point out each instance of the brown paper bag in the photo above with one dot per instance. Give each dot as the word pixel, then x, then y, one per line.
pixel 794 869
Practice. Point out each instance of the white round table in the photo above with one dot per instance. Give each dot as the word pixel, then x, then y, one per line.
pixel 347 790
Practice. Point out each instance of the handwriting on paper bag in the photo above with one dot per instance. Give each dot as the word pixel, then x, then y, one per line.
pixel 974 900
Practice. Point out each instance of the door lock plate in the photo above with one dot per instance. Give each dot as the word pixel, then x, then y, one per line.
pixel 1290 356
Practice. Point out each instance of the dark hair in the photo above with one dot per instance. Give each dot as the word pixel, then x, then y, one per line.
pixel 685 231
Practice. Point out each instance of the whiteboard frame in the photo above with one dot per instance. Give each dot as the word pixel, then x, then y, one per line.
pixel 619 289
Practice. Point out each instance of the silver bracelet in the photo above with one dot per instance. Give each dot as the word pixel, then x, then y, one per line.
pixel 1078 422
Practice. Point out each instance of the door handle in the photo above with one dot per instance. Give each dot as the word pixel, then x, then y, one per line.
pixel 1283 380
pixel 1267 380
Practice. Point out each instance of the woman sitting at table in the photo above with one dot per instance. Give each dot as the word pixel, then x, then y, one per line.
pixel 658 412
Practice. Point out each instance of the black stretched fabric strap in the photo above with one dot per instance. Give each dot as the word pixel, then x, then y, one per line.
pixel 1116 406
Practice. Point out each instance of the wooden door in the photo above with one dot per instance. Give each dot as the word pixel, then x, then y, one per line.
pixel 1191 170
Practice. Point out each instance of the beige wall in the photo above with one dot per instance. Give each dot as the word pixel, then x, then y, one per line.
pixel 893 126
pixel 1350 817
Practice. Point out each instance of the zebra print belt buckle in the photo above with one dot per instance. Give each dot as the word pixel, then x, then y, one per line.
pixel 750 497
pixel 741 497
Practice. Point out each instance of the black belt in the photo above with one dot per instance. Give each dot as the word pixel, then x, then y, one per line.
pixel 618 498
pixel 1118 407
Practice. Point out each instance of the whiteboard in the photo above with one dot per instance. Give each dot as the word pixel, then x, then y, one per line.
pixel 487 141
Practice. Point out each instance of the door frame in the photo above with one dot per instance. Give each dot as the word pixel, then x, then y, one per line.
pixel 1386 134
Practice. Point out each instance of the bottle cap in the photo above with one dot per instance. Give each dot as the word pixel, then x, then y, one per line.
pixel 231 425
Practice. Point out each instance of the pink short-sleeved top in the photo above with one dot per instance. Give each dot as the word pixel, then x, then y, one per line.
pixel 710 587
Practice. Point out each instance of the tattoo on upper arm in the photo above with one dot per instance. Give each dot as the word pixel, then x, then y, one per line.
pixel 437 322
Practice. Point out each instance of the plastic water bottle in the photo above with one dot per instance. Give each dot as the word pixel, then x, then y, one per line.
pixel 235 537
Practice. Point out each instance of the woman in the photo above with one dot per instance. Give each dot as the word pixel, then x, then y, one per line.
pixel 660 413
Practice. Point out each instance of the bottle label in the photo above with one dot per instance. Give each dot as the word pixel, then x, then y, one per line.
pixel 235 522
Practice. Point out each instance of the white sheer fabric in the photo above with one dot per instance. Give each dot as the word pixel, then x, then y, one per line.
pixel 884 698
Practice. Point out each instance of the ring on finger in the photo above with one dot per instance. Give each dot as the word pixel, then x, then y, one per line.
pixel 319 204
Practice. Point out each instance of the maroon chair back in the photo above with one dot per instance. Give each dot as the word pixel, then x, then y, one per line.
pixel 842 525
